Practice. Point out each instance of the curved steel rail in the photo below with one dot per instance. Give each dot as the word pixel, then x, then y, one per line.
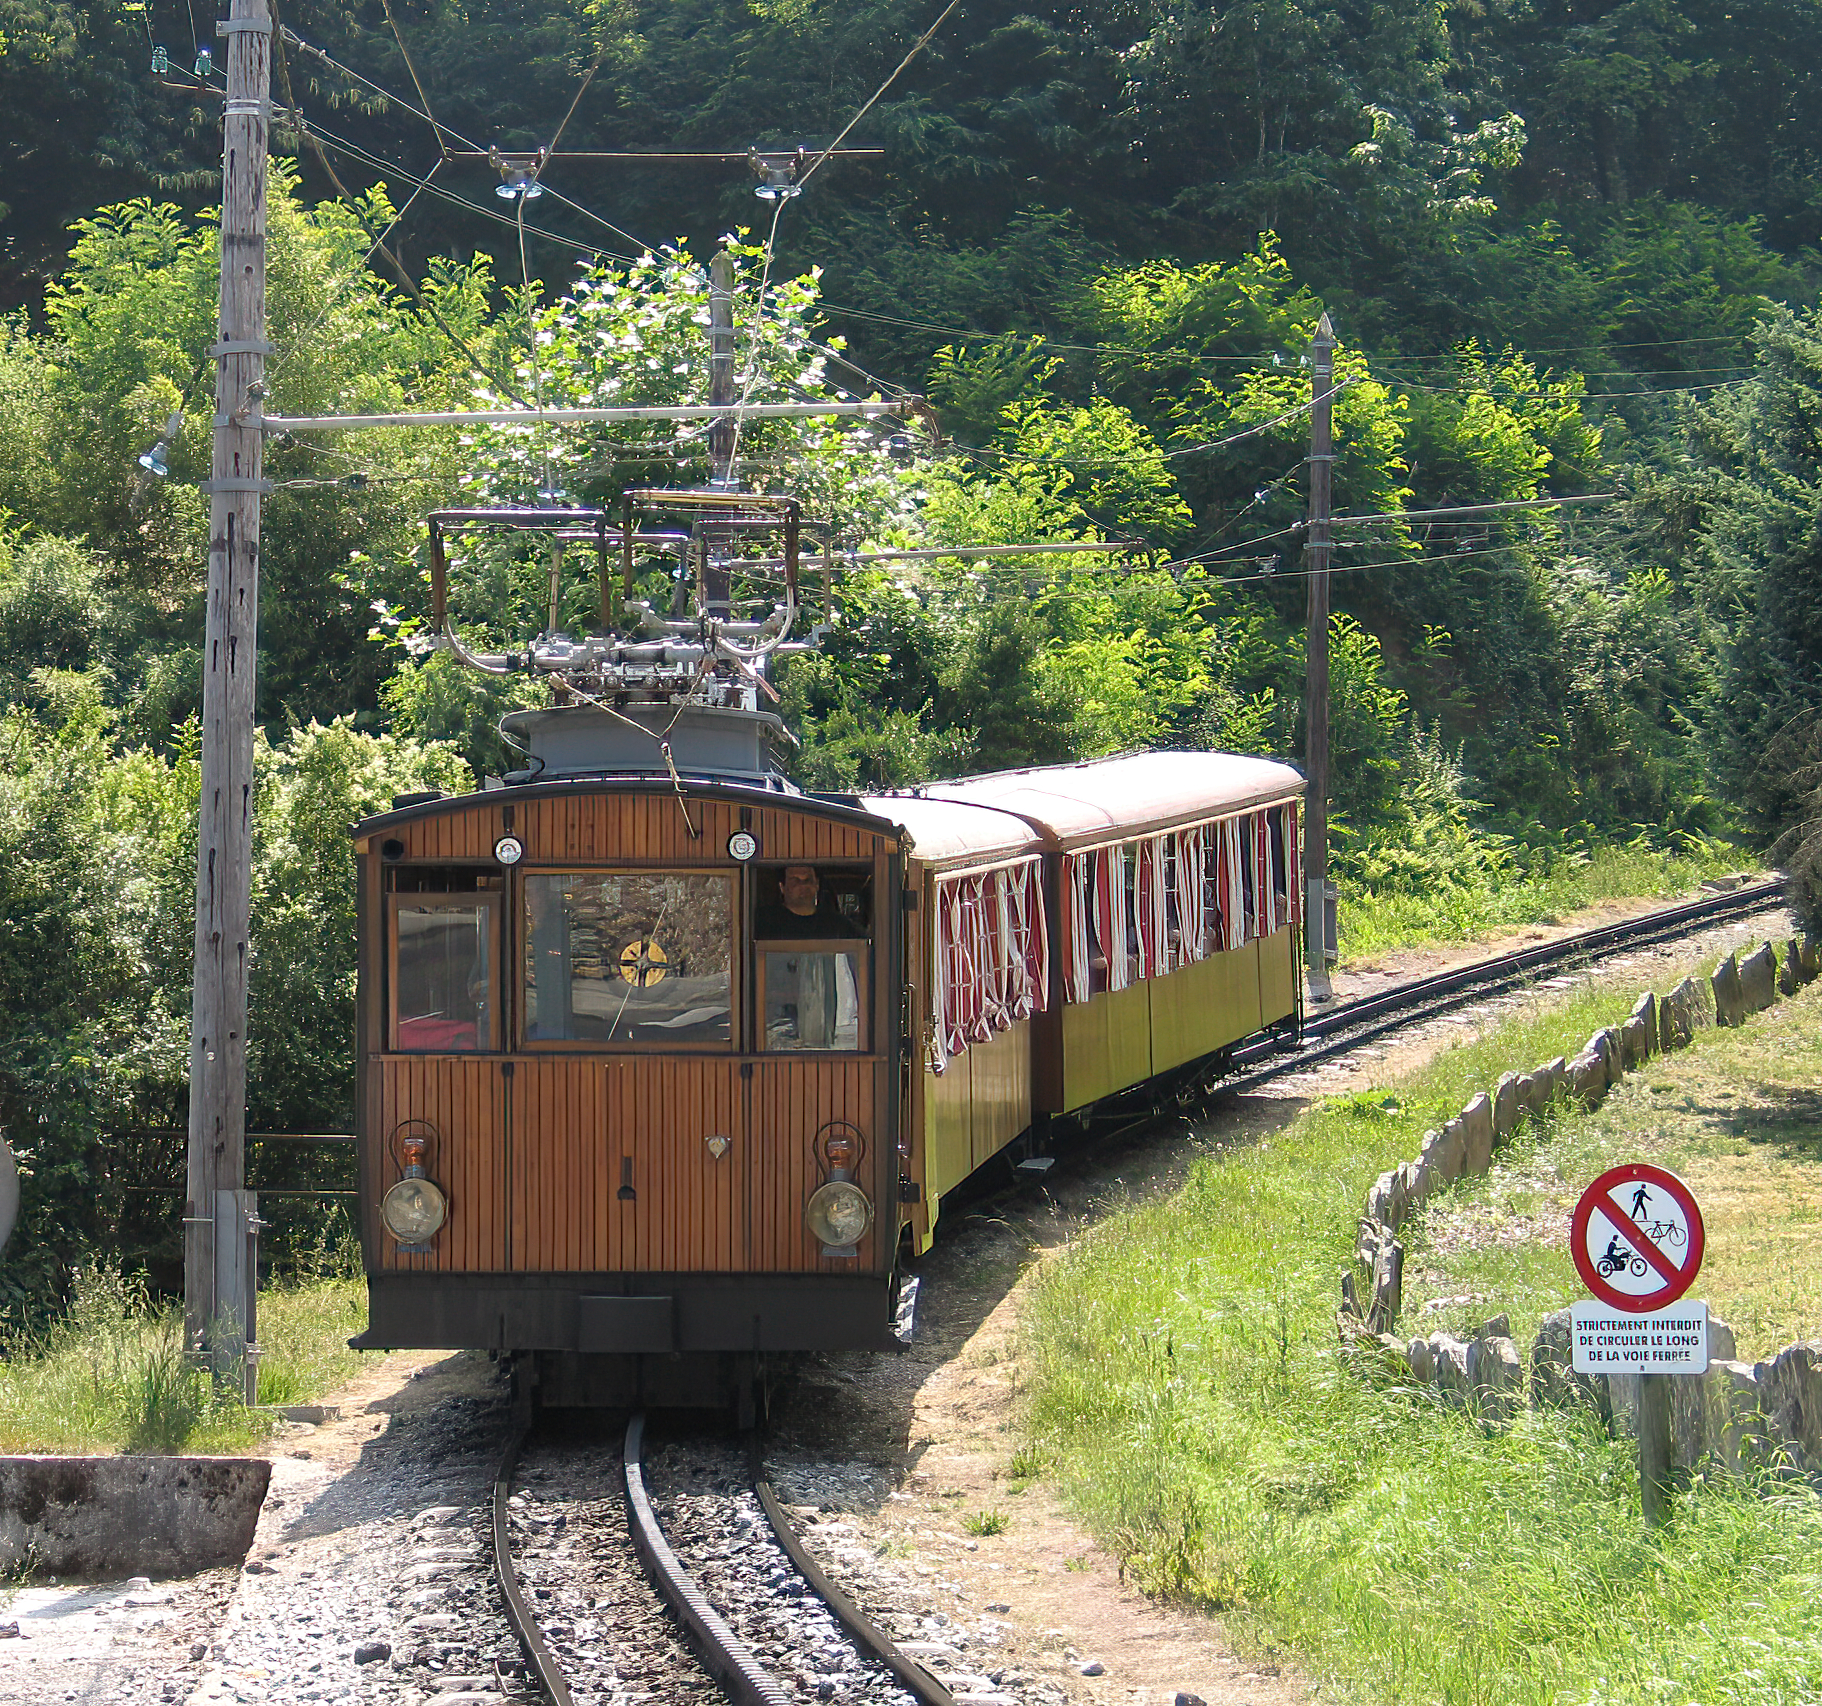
pixel 518 1613
pixel 1347 1027
pixel 747 1681
pixel 860 1627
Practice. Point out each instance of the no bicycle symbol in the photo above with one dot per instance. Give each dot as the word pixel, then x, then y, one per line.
pixel 1637 1238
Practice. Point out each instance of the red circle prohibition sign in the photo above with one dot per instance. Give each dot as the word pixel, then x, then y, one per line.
pixel 1637 1238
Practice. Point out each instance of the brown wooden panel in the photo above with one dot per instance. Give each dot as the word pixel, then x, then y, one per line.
pixel 792 1099
pixel 463 1099
pixel 642 828
pixel 577 1120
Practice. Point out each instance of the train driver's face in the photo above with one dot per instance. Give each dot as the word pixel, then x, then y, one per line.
pixel 799 888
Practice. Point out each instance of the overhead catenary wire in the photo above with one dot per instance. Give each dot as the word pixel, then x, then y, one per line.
pixel 417 82
pixel 872 100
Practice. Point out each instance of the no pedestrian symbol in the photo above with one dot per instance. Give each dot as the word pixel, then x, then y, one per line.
pixel 1637 1238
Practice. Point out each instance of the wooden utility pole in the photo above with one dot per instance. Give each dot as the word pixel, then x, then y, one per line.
pixel 219 1216
pixel 1316 655
pixel 723 435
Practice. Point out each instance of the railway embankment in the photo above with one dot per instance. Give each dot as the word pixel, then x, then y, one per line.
pixel 1737 1416
pixel 1181 1379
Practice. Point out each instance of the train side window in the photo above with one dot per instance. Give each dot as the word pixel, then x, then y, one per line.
pixel 807 901
pixel 444 984
pixel 813 996
pixel 629 957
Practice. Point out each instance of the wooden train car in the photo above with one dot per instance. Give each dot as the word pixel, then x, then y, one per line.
pixel 665 1075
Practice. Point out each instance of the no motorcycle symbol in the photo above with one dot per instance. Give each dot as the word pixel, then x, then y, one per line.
pixel 1637 1238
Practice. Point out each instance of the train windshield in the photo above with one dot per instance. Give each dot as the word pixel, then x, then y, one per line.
pixel 635 957
pixel 442 973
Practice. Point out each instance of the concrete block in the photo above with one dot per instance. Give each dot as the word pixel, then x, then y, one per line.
pixel 1379 1200
pixel 1810 964
pixel 1743 1440
pixel 1505 1106
pixel 1724 981
pixel 1422 1360
pixel 1556 1076
pixel 1635 1043
pixel 1645 1010
pixel 1477 1126
pixel 1608 1041
pixel 1588 1079
pixel 1790 1394
pixel 1790 968
pixel 1496 1377
pixel 1759 978
pixel 1388 1290
pixel 1527 1096
pixel 1443 1155
pixel 101 1518
pixel 1698 1406
pixel 1451 1358
pixel 1554 1382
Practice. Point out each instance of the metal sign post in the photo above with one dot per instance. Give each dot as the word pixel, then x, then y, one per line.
pixel 1637 1238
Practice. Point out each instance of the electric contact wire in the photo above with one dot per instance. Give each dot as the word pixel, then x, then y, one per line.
pixel 417 82
pixel 917 47
pixel 308 132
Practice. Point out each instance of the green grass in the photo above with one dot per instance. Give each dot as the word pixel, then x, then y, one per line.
pixel 1739 1116
pixel 1184 1376
pixel 111 1376
pixel 1474 902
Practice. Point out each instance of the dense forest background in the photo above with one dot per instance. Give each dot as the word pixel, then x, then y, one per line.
pixel 1568 249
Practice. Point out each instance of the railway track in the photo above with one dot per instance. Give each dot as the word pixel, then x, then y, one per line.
pixel 598 1589
pixel 1354 1023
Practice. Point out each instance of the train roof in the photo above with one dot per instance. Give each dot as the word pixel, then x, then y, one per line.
pixel 945 833
pixel 1117 799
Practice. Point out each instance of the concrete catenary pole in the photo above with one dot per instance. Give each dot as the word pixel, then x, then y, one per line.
pixel 218 1213
pixel 1316 654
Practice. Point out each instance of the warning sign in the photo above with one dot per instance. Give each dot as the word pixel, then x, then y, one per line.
pixel 1615 1341
pixel 1637 1237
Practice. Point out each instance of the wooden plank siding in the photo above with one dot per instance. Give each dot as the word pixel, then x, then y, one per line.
pixel 623 828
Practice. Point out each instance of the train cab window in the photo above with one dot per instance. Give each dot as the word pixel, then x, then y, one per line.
pixel 635 957
pixel 812 927
pixel 444 991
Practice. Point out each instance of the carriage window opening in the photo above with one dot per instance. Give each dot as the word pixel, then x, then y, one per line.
pixel 1280 869
pixel 813 995
pixel 640 957
pixel 812 902
pixel 443 974
pixel 1248 891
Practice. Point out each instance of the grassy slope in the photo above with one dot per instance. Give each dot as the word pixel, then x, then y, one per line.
pixel 1185 1382
pixel 1451 911
pixel 111 1377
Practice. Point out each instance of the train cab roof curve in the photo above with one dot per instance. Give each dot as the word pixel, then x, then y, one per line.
pixel 1118 799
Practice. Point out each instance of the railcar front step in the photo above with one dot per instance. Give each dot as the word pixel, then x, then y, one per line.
pixel 1036 1165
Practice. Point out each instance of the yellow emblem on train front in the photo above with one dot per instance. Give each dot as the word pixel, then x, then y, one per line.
pixel 643 962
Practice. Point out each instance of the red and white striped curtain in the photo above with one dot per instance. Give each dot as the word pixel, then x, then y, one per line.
pixel 1265 891
pixel 1027 930
pixel 1078 977
pixel 992 957
pixel 1190 893
pixel 1230 884
pixel 1293 863
pixel 1110 921
pixel 1152 919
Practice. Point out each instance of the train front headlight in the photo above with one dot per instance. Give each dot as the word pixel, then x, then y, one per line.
pixel 413 1210
pixel 839 1214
